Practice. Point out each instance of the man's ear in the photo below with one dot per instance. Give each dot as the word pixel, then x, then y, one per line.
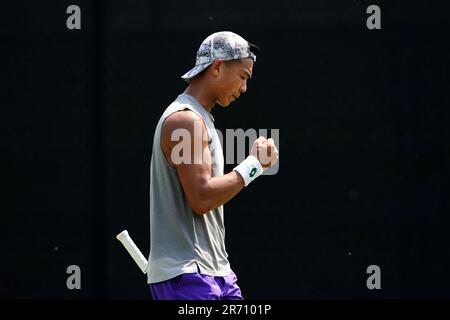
pixel 216 67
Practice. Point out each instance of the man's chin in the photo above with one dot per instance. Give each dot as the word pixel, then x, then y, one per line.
pixel 224 104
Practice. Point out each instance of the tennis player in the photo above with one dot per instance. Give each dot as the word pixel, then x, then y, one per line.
pixel 188 188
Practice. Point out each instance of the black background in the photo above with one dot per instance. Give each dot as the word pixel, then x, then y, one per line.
pixel 363 114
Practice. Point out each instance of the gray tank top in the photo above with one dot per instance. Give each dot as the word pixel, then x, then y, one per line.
pixel 180 240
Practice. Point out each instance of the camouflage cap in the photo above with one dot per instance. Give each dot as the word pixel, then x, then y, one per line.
pixel 224 45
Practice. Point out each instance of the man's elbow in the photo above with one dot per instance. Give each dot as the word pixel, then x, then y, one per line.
pixel 201 207
pixel 200 201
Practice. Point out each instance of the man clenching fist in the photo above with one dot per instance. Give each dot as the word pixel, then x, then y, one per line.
pixel 265 151
pixel 263 155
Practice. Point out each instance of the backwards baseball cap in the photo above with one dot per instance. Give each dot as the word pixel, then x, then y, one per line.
pixel 224 45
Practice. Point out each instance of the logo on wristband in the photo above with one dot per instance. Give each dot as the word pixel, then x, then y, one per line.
pixel 253 172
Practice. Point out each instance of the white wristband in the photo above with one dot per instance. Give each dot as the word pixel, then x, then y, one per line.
pixel 249 169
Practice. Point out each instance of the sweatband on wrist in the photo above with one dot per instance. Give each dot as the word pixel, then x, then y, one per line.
pixel 249 169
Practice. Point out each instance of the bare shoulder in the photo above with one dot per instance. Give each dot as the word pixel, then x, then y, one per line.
pixel 181 118
pixel 184 119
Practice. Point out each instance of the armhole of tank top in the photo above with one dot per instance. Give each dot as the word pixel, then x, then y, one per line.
pixel 161 148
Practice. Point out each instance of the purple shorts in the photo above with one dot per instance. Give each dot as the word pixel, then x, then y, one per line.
pixel 195 286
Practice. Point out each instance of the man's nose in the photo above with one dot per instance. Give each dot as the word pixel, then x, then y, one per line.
pixel 244 87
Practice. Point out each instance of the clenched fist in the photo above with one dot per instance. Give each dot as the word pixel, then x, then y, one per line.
pixel 265 151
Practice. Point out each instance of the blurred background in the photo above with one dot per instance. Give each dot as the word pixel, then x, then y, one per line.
pixel 363 119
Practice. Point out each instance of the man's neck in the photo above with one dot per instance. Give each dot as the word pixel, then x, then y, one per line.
pixel 195 91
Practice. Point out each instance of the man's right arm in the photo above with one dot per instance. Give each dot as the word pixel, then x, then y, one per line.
pixel 203 192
